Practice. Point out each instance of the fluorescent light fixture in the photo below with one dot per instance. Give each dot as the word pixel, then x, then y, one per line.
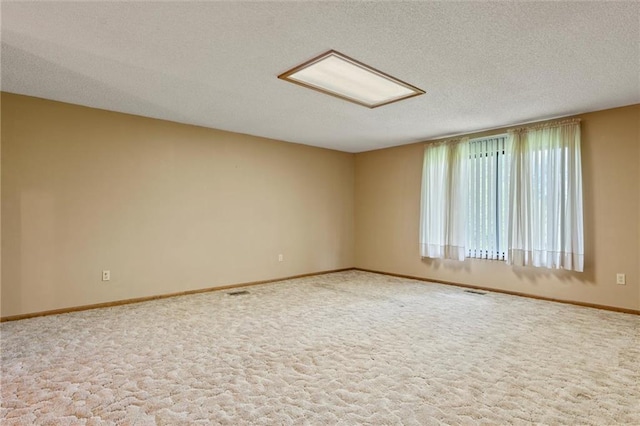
pixel 338 75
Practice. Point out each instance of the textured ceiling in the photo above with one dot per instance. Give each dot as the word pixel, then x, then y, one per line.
pixel 482 64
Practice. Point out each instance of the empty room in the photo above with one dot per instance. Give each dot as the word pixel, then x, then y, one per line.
pixel 349 213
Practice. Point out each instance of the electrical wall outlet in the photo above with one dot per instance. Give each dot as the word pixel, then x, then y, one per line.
pixel 621 279
pixel 280 257
pixel 106 275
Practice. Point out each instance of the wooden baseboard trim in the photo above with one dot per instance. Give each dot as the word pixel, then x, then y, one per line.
pixel 160 296
pixel 512 293
pixel 252 283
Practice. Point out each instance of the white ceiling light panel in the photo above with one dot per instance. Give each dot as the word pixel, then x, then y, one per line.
pixel 338 75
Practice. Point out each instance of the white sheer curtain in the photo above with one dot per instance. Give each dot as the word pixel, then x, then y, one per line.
pixel 444 200
pixel 545 215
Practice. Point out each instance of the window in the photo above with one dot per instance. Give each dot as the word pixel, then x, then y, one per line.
pixel 488 195
pixel 515 197
pixel 545 197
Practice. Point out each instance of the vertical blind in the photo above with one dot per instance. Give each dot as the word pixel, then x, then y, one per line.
pixel 488 207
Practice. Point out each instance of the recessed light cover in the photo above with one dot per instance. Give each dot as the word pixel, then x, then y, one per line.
pixel 338 75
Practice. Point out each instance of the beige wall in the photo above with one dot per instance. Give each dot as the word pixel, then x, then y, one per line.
pixel 388 207
pixel 165 207
pixel 169 207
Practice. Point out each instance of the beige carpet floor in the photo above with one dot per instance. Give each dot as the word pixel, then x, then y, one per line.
pixel 345 348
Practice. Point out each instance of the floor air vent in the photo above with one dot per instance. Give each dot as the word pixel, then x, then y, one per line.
pixel 238 293
pixel 475 292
